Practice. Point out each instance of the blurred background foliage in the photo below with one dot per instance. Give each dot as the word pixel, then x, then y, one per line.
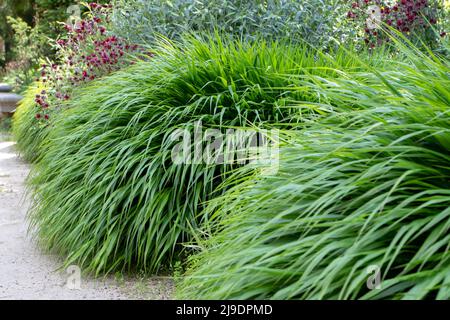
pixel 27 28
pixel 40 14
pixel 314 21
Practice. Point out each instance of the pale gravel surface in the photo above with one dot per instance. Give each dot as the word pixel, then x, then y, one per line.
pixel 28 273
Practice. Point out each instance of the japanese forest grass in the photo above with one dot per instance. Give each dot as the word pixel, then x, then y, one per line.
pixel 27 131
pixel 106 194
pixel 353 197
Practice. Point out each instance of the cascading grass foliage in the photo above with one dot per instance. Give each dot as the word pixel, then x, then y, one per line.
pixel 27 131
pixel 106 193
pixel 354 194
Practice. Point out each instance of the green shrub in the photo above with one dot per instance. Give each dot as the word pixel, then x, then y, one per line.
pixel 369 190
pixel 108 195
pixel 12 8
pixel 314 21
pixel 5 125
pixel 28 132
pixel 27 50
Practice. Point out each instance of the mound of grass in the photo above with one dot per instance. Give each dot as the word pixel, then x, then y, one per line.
pixel 107 194
pixel 27 131
pixel 354 198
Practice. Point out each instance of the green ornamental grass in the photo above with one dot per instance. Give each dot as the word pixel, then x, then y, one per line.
pixel 106 194
pixel 355 197
pixel 27 130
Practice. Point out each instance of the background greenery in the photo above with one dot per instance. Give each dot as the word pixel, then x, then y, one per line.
pixel 29 28
pixel 314 21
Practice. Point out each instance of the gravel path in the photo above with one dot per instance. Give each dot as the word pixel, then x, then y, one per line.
pixel 27 273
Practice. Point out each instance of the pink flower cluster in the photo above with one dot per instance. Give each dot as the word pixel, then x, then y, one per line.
pixel 85 53
pixel 407 16
pixel 41 100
